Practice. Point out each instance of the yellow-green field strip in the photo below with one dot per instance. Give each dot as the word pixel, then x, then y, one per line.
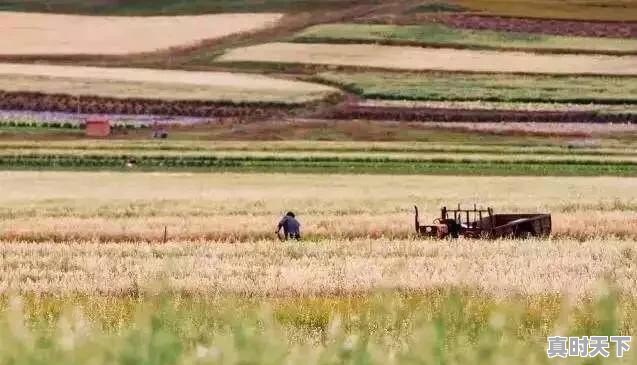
pixel 437 35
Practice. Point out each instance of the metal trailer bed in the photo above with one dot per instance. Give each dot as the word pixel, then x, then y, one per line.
pixel 482 223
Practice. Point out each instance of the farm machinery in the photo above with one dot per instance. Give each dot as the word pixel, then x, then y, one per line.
pixel 482 223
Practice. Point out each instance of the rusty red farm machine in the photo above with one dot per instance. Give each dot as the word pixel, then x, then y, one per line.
pixel 482 223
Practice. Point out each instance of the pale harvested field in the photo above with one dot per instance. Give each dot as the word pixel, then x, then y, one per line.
pixel 244 207
pixel 415 58
pixel 53 34
pixel 499 268
pixel 553 129
pixel 155 84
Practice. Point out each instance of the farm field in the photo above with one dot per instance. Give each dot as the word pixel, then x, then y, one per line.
pixel 107 206
pixel 167 7
pixel 490 105
pixel 99 266
pixel 441 35
pixel 322 157
pixel 416 58
pixel 122 83
pixel 487 87
pixel 156 245
pixel 75 35
pixel 320 268
pixel 615 10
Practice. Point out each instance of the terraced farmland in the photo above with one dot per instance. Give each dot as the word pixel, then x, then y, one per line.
pixel 438 35
pixel 156 244
pixel 414 58
pixel 149 84
pixel 487 87
pixel 91 35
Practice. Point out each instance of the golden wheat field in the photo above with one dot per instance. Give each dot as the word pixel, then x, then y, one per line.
pixel 56 34
pixel 59 206
pixel 103 233
pixel 151 83
pixel 415 58
pixel 329 267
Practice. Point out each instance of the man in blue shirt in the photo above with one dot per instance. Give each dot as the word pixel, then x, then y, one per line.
pixel 291 227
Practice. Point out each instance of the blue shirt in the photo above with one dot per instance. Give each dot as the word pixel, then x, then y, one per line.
pixel 290 225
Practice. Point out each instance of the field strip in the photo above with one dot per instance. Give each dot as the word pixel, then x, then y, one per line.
pixel 613 11
pixel 123 147
pixel 145 221
pixel 154 84
pixel 487 87
pixel 319 165
pixel 440 35
pixel 53 34
pixel 414 58
pixel 501 268
pixel 338 156
pixel 500 105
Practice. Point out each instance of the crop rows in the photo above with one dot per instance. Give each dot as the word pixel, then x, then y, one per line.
pixel 103 105
pixel 319 164
pixel 437 35
pixel 487 87
pixel 124 147
pixel 474 115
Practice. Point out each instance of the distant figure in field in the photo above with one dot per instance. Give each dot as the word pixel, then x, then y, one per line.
pixel 291 227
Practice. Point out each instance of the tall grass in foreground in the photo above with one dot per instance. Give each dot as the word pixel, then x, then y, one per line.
pixel 440 327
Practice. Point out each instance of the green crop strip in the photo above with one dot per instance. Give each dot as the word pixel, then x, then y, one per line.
pixel 319 165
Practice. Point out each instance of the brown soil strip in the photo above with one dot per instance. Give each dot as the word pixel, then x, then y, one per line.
pixel 509 24
pixel 473 115
pixel 399 42
pixel 103 105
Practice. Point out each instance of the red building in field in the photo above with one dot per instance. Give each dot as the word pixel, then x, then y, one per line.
pixel 98 127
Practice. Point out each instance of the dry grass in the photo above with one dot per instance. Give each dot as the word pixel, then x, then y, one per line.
pixel 415 58
pixel 156 84
pixel 501 268
pixel 358 228
pixel 235 207
pixel 50 34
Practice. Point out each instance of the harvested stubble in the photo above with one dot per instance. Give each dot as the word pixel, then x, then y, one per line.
pixel 144 84
pixel 415 58
pixel 236 207
pixel 57 34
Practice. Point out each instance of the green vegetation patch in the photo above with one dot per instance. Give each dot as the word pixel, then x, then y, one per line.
pixel 487 87
pixel 318 164
pixel 437 34
pixel 443 326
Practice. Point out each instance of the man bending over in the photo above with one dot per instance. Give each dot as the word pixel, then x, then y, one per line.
pixel 291 227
